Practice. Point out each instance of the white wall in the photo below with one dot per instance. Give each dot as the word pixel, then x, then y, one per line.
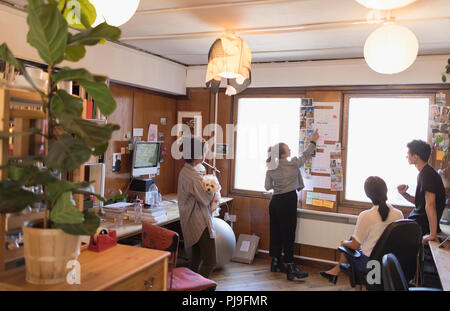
pixel 119 63
pixel 425 70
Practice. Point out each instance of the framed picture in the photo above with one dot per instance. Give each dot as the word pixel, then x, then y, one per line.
pixel 193 121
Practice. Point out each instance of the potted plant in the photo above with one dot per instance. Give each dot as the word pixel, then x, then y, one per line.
pixel 70 139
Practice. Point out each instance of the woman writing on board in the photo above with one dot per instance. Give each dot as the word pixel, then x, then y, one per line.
pixel 284 177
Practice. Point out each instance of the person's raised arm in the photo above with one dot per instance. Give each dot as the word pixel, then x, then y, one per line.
pixel 402 190
pixel 430 208
pixel 309 151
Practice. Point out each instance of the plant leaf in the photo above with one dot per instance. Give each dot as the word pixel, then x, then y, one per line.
pixel 14 198
pixel 74 53
pixel 64 211
pixel 7 56
pixel 80 14
pixel 95 135
pixel 58 187
pixel 444 78
pixel 30 175
pixel 94 35
pixel 101 95
pixel 67 153
pixel 88 227
pixel 63 102
pixel 47 31
pixel 68 74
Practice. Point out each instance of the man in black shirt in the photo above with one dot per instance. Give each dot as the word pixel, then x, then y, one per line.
pixel 429 199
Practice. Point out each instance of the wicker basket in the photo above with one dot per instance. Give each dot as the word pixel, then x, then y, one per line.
pixel 47 252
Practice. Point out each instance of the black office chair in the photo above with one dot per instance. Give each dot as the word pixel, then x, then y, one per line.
pixel 394 278
pixel 402 238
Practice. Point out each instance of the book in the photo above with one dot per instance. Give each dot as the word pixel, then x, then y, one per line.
pixel 89 110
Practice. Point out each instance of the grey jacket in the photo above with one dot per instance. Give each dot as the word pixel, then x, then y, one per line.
pixel 287 177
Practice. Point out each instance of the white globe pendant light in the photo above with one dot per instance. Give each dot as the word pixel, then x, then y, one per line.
pixel 114 12
pixel 391 49
pixel 384 4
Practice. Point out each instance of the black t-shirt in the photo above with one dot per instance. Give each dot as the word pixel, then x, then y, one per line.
pixel 428 180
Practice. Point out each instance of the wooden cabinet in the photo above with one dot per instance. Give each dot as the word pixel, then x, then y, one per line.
pixel 120 268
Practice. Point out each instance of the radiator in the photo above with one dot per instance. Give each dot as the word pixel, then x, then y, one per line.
pixel 323 229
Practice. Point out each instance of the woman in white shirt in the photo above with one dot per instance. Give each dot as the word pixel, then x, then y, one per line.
pixel 369 227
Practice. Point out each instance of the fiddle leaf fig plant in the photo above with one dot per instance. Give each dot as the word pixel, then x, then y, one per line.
pixel 70 139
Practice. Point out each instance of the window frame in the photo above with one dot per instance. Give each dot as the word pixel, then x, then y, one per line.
pixel 342 202
pixel 235 105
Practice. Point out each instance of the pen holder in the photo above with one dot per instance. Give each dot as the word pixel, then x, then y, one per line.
pixel 104 241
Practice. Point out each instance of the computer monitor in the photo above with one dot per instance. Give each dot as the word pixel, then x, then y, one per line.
pixel 146 158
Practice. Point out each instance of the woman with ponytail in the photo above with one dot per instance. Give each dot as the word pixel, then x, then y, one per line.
pixel 369 227
pixel 284 177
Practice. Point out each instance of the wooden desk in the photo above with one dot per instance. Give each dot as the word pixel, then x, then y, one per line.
pixel 441 258
pixel 129 228
pixel 119 268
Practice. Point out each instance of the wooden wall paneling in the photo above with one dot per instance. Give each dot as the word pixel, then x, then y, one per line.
pixel 197 99
pixel 224 117
pixel 123 116
pixel 148 109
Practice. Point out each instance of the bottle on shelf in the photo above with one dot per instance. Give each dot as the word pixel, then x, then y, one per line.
pixel 138 211
pixel 154 195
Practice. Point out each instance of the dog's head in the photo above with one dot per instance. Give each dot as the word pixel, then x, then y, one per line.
pixel 211 184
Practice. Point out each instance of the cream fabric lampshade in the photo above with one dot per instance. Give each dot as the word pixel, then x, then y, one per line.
pixel 391 49
pixel 115 12
pixel 384 4
pixel 229 57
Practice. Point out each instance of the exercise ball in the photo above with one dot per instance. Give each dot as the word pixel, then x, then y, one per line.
pixel 225 242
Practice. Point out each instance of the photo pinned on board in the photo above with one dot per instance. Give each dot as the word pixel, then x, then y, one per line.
pixel 307 102
pixel 310 124
pixel 310 112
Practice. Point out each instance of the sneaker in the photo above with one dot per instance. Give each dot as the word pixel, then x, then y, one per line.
pixel 294 273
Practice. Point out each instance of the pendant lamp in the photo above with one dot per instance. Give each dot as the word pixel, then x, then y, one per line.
pixel 391 49
pixel 229 57
pixel 114 12
pixel 384 4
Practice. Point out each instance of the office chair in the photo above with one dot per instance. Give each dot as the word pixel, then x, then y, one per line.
pixel 394 278
pixel 402 238
pixel 181 278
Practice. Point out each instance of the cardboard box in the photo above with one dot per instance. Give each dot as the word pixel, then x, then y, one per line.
pixel 246 248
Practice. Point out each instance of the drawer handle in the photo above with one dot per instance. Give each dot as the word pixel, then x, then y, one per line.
pixel 149 284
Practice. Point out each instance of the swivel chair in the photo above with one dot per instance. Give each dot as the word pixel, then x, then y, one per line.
pixel 394 278
pixel 402 238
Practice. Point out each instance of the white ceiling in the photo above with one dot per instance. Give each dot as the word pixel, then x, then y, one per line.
pixel 276 30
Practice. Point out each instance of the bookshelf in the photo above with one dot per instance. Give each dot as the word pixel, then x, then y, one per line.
pixel 19 110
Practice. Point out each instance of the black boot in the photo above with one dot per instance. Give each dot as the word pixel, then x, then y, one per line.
pixel 294 273
pixel 277 265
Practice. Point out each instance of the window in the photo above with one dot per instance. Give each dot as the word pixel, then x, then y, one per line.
pixel 378 132
pixel 261 123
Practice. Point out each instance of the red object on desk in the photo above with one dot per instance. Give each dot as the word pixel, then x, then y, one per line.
pixel 104 241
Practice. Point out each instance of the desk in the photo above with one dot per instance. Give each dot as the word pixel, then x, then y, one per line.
pixel 119 268
pixel 129 228
pixel 441 258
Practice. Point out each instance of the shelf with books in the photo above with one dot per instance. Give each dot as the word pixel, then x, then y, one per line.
pixel 19 110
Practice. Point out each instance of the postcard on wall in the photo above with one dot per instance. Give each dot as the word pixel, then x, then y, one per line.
pixel 152 132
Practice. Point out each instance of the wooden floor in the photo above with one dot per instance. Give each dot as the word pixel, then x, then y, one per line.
pixel 257 277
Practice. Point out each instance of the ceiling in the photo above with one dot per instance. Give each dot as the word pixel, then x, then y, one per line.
pixel 276 30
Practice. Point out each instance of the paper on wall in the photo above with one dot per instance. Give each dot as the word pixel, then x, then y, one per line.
pixel 138 132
